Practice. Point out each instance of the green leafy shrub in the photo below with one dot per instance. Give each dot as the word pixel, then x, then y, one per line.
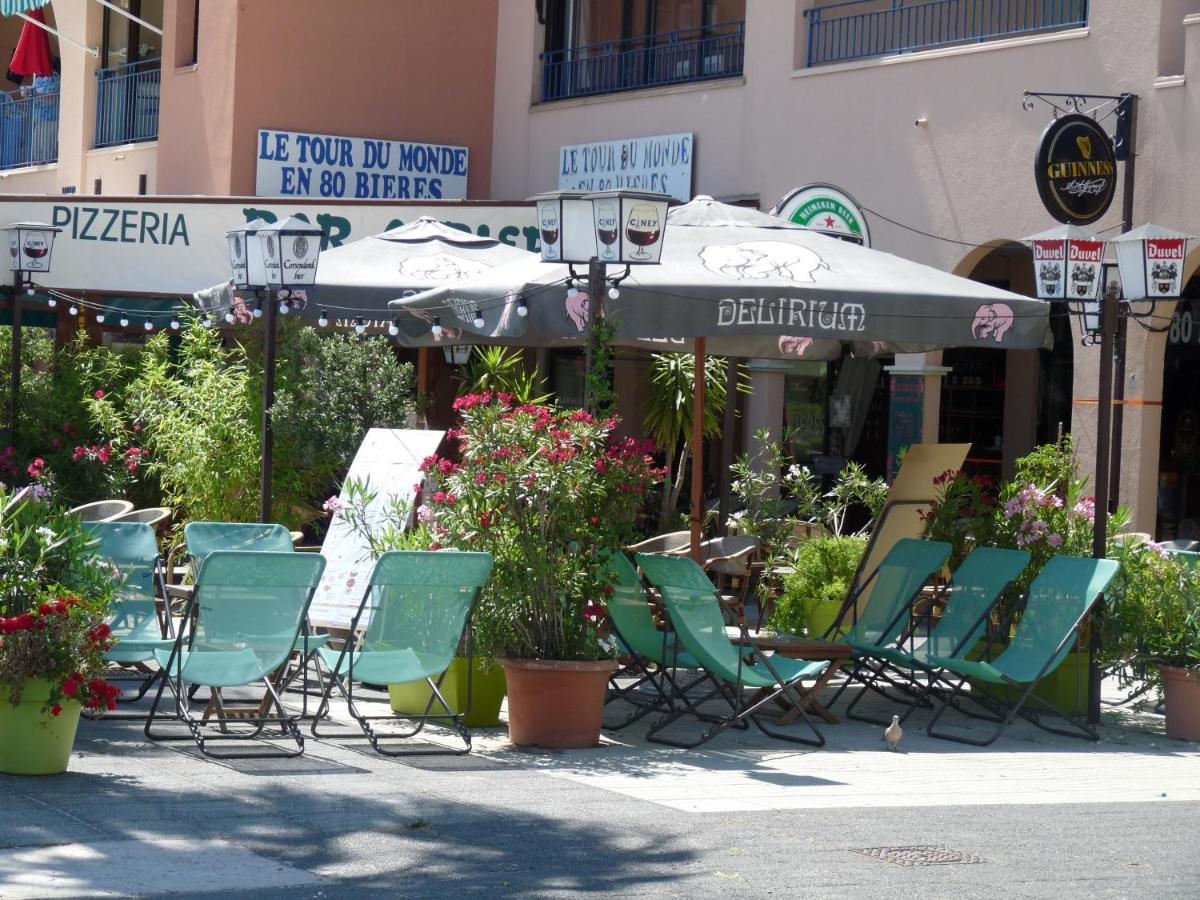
pixel 824 568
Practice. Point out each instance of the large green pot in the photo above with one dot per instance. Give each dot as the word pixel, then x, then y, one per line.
pixel 819 617
pixel 487 694
pixel 1066 687
pixel 32 741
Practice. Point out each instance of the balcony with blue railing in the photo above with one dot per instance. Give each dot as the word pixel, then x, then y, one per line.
pixel 861 29
pixel 28 129
pixel 127 103
pixel 653 60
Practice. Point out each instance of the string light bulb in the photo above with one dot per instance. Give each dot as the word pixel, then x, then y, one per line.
pixel 323 319
pixel 100 318
pixel 394 328
pixel 522 307
pixel 572 291
pixel 614 292
pixel 283 307
pixel 359 325
pixel 174 323
pixel 436 328
pixel 30 291
pixel 229 316
pixel 149 326
pixel 478 320
pixel 124 321
pixel 52 303
pixel 72 310
pixel 257 310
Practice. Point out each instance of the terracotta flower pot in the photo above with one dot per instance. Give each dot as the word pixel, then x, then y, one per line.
pixel 1182 689
pixel 556 704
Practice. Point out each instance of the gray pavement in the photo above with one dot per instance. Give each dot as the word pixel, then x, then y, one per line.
pixel 625 819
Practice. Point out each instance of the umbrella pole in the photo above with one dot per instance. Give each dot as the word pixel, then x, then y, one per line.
pixel 731 382
pixel 596 277
pixel 698 451
pixel 422 372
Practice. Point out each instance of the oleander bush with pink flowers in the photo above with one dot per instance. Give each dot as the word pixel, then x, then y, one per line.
pixel 547 492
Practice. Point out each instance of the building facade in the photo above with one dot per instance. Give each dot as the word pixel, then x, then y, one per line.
pixel 913 108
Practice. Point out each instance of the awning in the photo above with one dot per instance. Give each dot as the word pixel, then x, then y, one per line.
pixel 22 8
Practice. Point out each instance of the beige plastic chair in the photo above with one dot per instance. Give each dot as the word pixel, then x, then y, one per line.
pixel 672 544
pixel 151 515
pixel 102 510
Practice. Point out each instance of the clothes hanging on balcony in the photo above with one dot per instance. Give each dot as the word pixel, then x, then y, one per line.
pixel 32 56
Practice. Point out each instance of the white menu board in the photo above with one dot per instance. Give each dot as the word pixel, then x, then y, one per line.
pixel 388 460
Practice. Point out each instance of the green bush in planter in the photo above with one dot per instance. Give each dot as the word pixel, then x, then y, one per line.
pixel 813 593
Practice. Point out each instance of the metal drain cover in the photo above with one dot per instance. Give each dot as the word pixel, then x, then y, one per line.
pixel 920 855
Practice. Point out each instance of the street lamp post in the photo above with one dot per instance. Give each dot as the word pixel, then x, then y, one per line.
pixel 31 247
pixel 272 258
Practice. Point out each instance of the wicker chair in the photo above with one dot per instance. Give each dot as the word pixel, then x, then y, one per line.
pixel 102 510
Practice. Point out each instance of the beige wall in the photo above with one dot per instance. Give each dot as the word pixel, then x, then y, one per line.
pixel 963 174
pixel 419 70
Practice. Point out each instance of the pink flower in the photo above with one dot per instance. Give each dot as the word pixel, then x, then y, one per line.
pixel 424 514
pixel 333 505
pixel 1056 540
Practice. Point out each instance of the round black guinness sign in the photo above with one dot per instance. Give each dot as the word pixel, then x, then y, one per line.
pixel 1075 170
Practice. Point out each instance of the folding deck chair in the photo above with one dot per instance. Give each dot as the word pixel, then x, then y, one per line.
pixel 242 622
pixel 1061 596
pixel 415 609
pixel 655 654
pixel 975 589
pixel 695 612
pixel 137 621
pixel 203 538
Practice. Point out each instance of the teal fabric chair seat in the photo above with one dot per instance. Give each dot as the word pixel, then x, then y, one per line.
pixel 1059 599
pixel 245 616
pixel 410 624
pixel 695 611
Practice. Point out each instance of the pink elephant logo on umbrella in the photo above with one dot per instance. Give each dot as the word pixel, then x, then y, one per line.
pixel 792 345
pixel 992 321
pixel 577 310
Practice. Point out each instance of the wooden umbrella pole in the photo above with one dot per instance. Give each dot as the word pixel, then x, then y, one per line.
pixel 422 371
pixel 698 451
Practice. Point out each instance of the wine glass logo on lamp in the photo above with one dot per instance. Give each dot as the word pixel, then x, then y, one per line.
pixel 643 228
pixel 34 250
pixel 607 228
pixel 549 225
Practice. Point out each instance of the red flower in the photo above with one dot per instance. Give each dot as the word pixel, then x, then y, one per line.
pixel 595 520
pixel 137 429
pixel 481 478
pixel 71 685
pixel 435 546
pixel 57 443
pixel 105 454
pixel 56 709
pixel 99 395
pixel 79 454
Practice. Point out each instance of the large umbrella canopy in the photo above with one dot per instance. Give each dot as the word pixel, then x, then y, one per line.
pixel 16 7
pixel 757 286
pixel 363 276
pixel 32 55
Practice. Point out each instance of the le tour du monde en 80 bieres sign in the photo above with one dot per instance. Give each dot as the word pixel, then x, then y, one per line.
pixel 662 164
pixel 1076 170
pixel 292 164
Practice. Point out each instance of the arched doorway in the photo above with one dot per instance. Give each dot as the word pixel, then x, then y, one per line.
pixel 1005 402
pixel 1179 443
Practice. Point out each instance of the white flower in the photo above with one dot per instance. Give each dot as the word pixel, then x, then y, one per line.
pixel 47 534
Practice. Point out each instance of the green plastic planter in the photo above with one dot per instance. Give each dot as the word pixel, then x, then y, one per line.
pixel 1066 687
pixel 33 742
pixel 487 694
pixel 820 616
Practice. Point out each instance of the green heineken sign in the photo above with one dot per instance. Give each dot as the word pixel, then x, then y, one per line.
pixel 827 209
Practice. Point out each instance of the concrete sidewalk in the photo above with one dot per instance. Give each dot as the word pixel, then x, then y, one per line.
pixel 1035 815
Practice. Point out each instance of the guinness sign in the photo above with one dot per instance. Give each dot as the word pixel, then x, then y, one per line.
pixel 1075 170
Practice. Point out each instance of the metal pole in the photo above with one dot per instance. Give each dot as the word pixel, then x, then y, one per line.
pixel 698 450
pixel 597 272
pixel 1127 187
pixel 1118 413
pixel 14 396
pixel 268 436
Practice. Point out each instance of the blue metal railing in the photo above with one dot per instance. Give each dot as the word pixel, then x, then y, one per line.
pixel 127 103
pixel 653 60
pixel 28 129
pixel 858 29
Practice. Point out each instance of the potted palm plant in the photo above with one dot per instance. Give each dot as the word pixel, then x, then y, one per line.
pixel 54 597
pixel 546 492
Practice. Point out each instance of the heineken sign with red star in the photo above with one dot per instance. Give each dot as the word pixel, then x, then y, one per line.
pixel 827 209
pixel 1076 170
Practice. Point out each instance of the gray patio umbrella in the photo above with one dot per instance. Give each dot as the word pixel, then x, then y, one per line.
pixel 740 282
pixel 361 277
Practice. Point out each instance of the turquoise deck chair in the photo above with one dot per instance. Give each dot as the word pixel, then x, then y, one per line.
pixel 245 617
pixel 695 611
pixel 1061 596
pixel 203 538
pixel 416 609
pixel 975 589
pixel 655 654
pixel 134 615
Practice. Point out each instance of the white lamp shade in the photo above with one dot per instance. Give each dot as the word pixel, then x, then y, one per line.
pixel 641 220
pixel 31 246
pixel 245 260
pixel 1050 268
pixel 1151 260
pixel 565 226
pixel 1085 260
pixel 290 249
